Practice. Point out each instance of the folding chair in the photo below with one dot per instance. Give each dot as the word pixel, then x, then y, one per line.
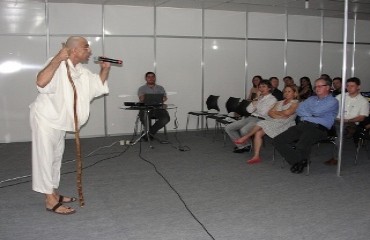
pixel 212 103
pixel 241 111
pixel 231 106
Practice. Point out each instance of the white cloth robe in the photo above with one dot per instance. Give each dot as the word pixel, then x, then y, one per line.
pixel 52 115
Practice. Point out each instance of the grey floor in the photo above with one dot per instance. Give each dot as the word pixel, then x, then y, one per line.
pixel 127 199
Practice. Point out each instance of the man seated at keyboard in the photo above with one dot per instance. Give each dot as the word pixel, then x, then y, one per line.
pixel 317 114
pixel 258 109
pixel 160 115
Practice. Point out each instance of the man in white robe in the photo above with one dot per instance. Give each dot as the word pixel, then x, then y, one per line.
pixel 51 115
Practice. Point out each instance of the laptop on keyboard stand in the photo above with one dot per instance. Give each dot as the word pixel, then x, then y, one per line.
pixel 153 100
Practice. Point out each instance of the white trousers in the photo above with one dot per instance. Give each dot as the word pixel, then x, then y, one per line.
pixel 47 153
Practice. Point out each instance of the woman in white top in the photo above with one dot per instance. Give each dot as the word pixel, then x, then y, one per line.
pixel 281 117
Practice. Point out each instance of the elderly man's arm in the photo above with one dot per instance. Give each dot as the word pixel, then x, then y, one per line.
pixel 46 74
pixel 104 71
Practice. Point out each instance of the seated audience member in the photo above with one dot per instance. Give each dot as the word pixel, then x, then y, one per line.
pixel 254 92
pixel 356 109
pixel 258 109
pixel 326 77
pixel 161 115
pixel 281 117
pixel 275 88
pixel 305 88
pixel 317 114
pixel 288 81
pixel 337 86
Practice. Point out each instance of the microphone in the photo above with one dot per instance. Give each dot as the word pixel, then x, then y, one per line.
pixel 104 59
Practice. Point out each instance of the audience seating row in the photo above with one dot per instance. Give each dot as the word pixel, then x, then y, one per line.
pixel 234 105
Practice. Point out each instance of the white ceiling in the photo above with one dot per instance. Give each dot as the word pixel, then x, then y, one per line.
pixel 330 8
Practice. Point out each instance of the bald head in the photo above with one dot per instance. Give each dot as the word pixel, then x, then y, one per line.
pixel 74 41
pixel 78 49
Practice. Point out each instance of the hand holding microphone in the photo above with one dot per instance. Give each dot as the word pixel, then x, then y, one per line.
pixel 105 59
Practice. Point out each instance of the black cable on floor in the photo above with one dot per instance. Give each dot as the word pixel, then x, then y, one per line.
pixel 101 160
pixel 65 173
pixel 175 191
pixel 179 146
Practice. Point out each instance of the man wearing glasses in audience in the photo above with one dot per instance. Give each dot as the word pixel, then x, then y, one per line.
pixel 317 115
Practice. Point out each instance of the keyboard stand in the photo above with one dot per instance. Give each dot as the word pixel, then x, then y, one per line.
pixel 146 133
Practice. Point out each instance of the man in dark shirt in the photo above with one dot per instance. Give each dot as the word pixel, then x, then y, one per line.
pixel 337 86
pixel 161 115
pixel 275 90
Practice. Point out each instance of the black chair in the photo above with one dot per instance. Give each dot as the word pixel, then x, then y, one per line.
pixel 331 139
pixel 241 111
pixel 212 103
pixel 242 108
pixel 362 135
pixel 231 106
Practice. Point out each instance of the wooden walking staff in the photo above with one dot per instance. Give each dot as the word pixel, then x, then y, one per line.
pixel 77 139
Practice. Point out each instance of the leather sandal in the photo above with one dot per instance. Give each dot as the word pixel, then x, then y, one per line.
pixel 61 199
pixel 58 205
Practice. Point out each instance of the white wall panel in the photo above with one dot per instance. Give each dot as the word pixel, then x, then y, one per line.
pixel 304 27
pixel 78 19
pixel 224 69
pixel 332 60
pixel 179 22
pixel 303 59
pixel 224 24
pixel 138 58
pixel 28 18
pixel 179 72
pixel 333 29
pixel 128 20
pixel 18 89
pixel 265 58
pixel 362 31
pixel 265 25
pixel 362 64
pixel 95 124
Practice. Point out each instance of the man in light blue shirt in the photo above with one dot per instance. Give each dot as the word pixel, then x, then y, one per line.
pixel 317 115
